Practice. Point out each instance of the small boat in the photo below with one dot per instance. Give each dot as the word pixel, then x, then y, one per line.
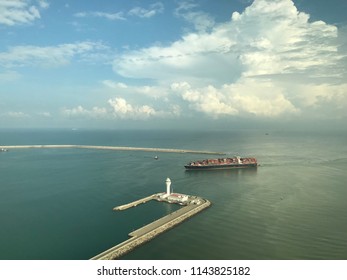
pixel 3 150
pixel 222 163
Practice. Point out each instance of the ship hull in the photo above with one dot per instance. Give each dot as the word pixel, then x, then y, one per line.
pixel 222 163
pixel 221 166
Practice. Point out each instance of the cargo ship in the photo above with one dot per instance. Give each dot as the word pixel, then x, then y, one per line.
pixel 222 163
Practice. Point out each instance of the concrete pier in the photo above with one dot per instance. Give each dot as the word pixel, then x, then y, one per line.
pixel 135 203
pixel 113 148
pixel 193 205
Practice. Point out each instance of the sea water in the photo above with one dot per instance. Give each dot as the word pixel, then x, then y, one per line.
pixel 57 203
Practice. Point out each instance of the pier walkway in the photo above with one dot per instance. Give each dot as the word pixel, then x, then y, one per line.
pixel 135 203
pixel 148 232
pixel 112 148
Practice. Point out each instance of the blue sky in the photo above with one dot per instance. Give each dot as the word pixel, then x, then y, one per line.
pixel 153 64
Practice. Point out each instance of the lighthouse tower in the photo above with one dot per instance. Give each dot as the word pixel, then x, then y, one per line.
pixel 168 184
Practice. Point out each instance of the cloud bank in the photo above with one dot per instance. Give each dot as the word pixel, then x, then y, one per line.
pixel 269 61
pixel 49 56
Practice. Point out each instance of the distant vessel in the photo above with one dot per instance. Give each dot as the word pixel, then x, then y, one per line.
pixel 3 150
pixel 222 163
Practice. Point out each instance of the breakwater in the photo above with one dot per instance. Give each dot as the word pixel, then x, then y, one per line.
pixel 193 205
pixel 112 148
pixel 135 203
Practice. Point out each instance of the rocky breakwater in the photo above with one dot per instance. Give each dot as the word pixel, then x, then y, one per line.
pixel 144 234
pixel 112 148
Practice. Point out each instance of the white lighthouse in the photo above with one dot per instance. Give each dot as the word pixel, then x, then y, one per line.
pixel 168 184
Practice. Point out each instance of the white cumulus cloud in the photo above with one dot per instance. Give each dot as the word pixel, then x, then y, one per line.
pixel 124 110
pixel 266 61
pixel 154 9
pixel 14 12
pixel 79 111
pixel 243 98
pixel 200 20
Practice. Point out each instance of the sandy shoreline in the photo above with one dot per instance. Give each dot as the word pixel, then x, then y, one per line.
pixel 113 148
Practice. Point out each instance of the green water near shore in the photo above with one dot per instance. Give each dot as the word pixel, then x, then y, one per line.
pixel 57 203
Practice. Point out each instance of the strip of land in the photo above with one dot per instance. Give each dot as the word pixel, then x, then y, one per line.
pixel 113 148
pixel 148 232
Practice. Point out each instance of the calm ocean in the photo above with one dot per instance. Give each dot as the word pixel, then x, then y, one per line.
pixel 57 203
